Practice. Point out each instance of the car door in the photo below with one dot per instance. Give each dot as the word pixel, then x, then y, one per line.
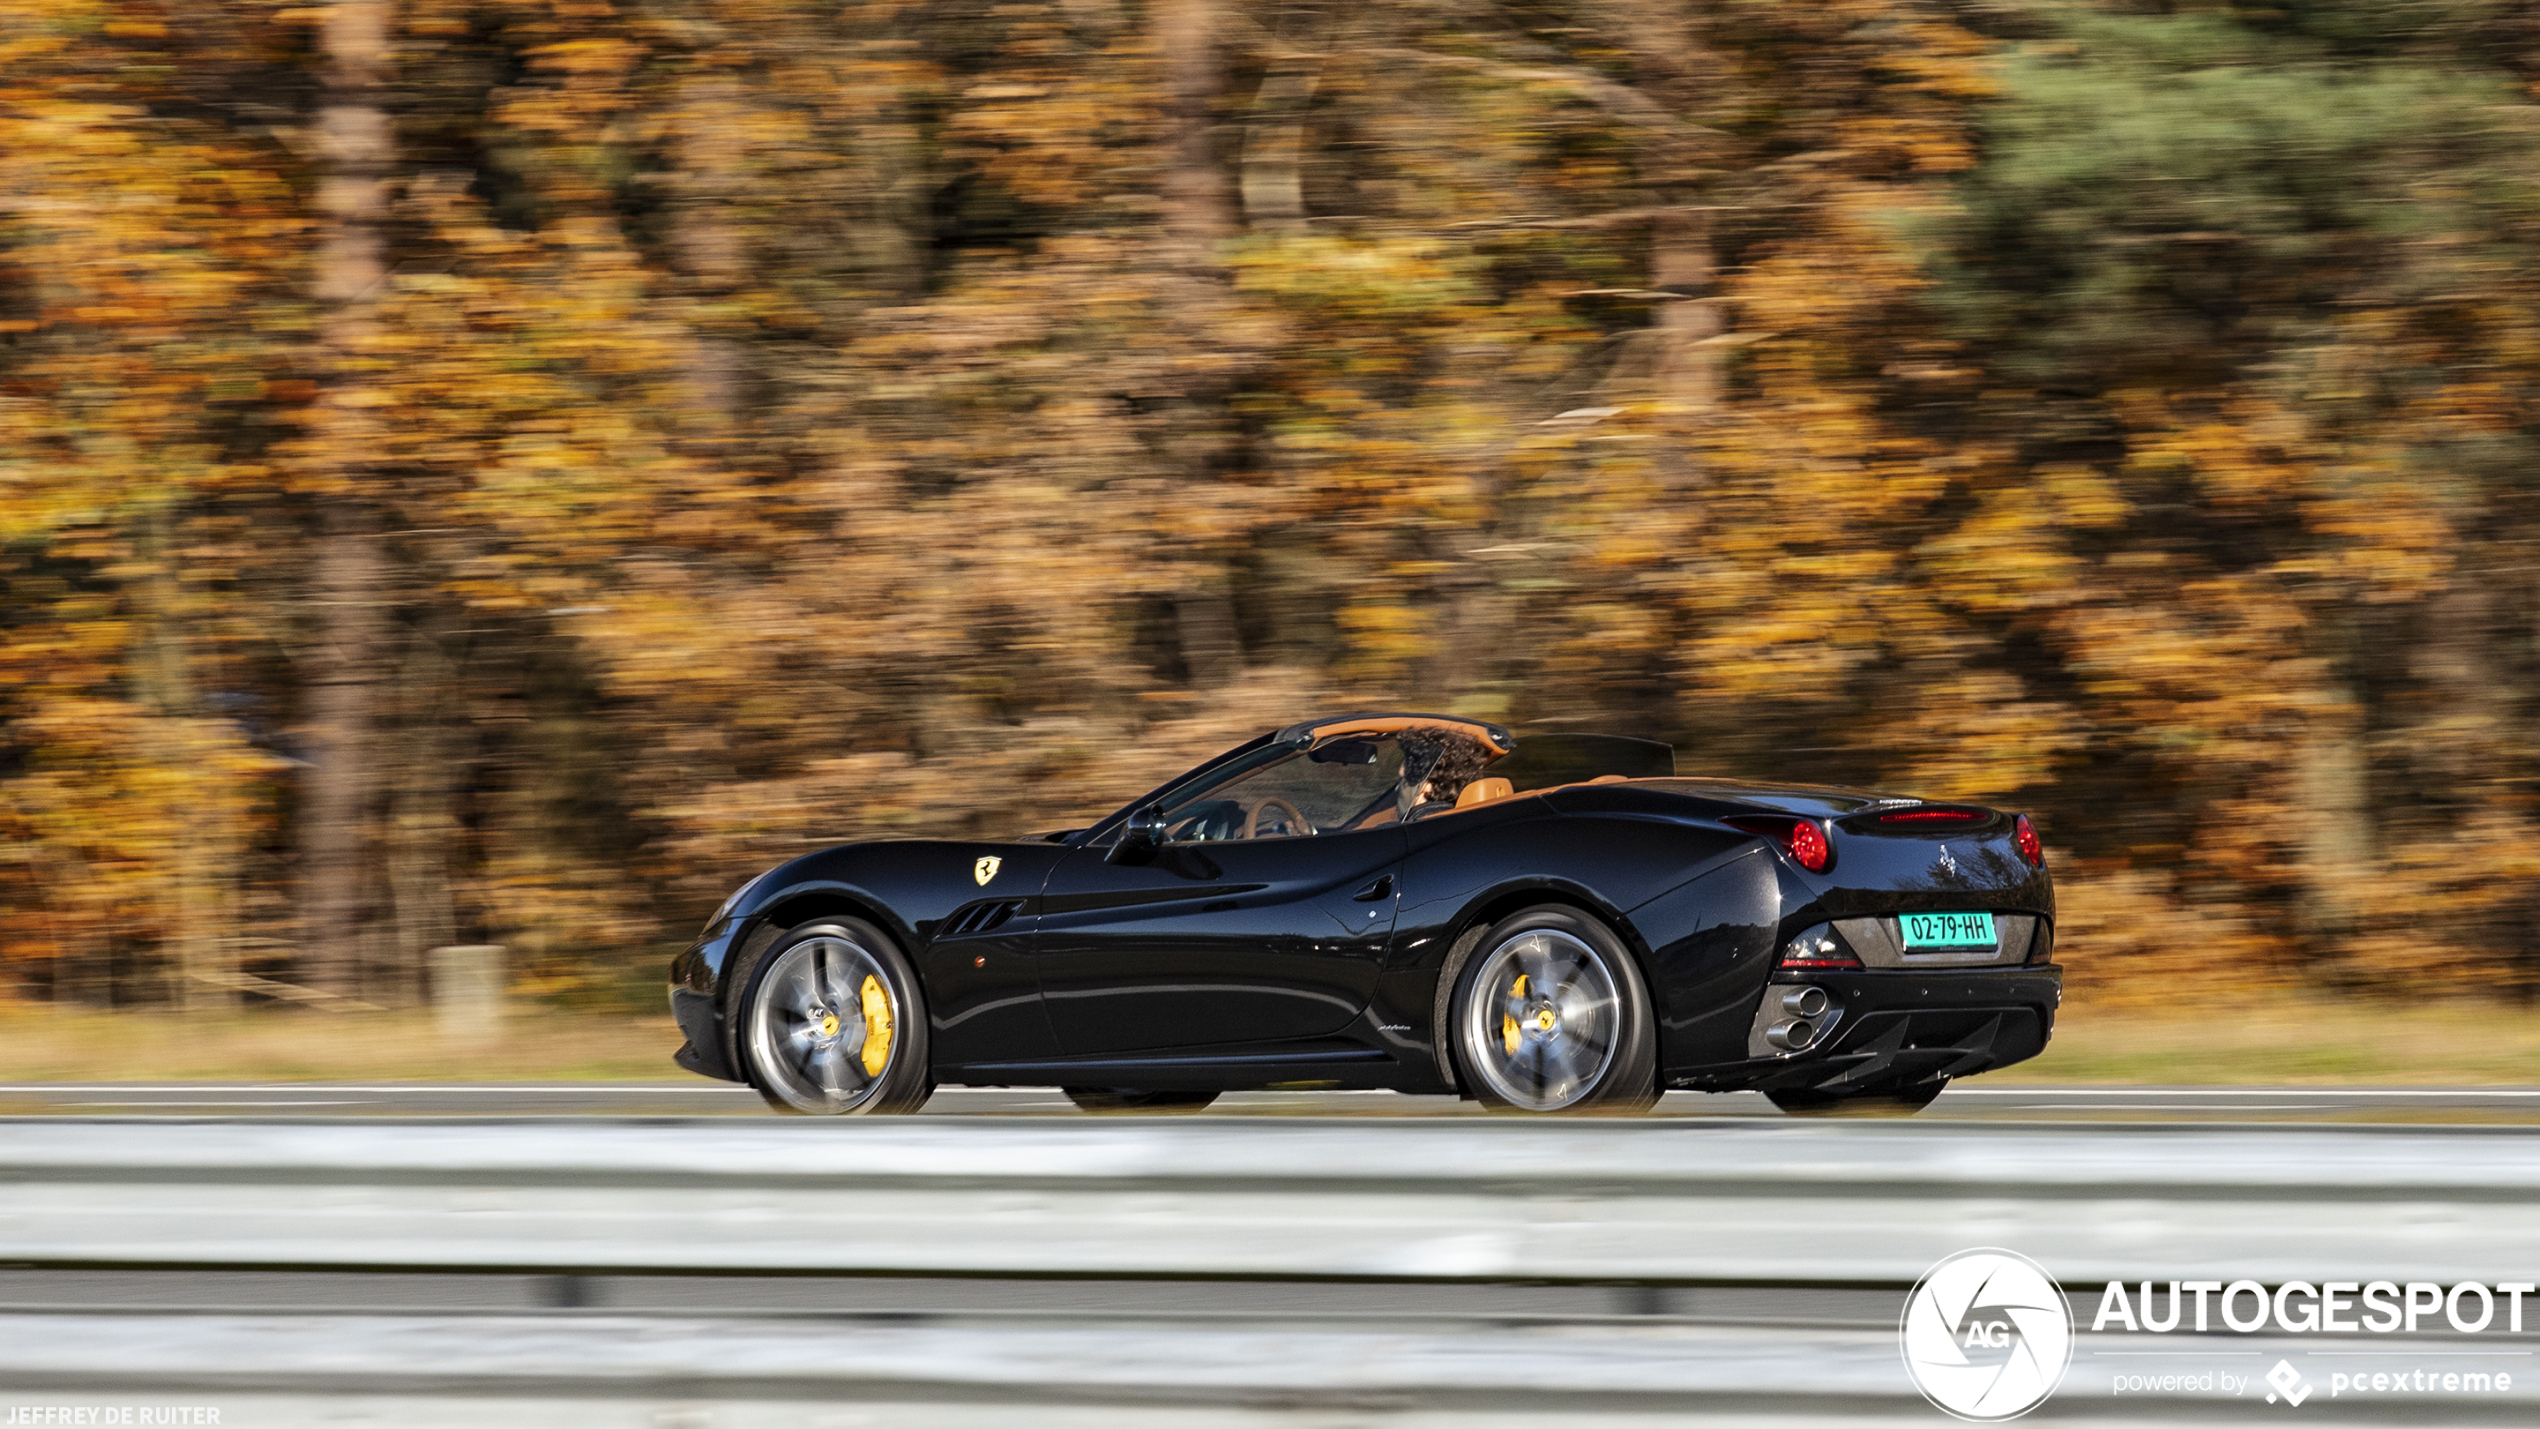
pixel 1264 915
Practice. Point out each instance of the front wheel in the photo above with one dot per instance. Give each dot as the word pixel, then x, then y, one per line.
pixel 1550 1015
pixel 1903 1102
pixel 834 1024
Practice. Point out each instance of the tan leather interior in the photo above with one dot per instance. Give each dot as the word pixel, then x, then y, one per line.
pixel 1482 791
pixel 1611 779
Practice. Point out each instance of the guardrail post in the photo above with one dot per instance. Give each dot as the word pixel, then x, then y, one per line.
pixel 467 991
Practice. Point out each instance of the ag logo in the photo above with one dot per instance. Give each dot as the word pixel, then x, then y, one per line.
pixel 986 869
pixel 1987 1335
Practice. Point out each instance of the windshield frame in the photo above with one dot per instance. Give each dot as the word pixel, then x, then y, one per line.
pixel 1108 827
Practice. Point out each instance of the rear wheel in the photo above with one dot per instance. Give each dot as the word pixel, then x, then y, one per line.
pixel 1101 1100
pixel 834 1024
pixel 1904 1102
pixel 1550 1015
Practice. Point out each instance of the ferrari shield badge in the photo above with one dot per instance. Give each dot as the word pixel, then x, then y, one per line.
pixel 986 869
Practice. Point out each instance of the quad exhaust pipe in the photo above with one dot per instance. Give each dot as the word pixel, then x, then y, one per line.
pixel 1798 1031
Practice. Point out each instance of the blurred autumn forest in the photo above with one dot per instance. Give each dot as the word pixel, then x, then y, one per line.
pixel 504 470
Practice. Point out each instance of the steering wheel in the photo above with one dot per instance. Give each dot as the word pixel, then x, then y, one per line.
pixel 1289 819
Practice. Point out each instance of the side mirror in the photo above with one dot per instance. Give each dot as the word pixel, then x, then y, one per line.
pixel 1141 835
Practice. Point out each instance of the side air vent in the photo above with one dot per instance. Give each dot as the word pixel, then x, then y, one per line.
pixel 981 918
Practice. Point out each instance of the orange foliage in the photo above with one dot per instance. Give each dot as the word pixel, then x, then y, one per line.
pixel 794 423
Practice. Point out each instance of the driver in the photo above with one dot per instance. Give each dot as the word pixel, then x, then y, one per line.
pixel 1443 761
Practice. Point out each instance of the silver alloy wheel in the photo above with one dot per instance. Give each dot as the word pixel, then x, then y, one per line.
pixel 825 1025
pixel 1542 1021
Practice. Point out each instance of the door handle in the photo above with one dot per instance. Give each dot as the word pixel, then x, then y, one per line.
pixel 1381 888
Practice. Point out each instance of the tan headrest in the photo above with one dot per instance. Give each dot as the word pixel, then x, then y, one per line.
pixel 1482 791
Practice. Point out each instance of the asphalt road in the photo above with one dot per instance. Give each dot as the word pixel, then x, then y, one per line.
pixel 1976 1101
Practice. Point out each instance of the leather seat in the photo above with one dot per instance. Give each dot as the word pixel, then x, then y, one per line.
pixel 1482 791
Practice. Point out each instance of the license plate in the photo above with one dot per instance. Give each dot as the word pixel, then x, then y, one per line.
pixel 1947 930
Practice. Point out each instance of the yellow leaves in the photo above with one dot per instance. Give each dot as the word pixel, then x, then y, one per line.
pixel 2084 498
pixel 2012 555
pixel 2386 535
pixel 2139 934
pixel 2234 464
pixel 1383 637
pixel 597 57
pixel 2009 557
pixel 111 797
pixel 1980 735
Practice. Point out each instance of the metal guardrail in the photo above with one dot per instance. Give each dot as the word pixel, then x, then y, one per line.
pixel 1600 1202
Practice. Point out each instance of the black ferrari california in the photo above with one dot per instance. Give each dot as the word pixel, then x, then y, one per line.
pixel 1559 923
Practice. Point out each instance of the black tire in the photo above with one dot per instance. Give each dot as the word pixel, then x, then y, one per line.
pixel 1586 1046
pixel 818 1002
pixel 1896 1102
pixel 1109 1100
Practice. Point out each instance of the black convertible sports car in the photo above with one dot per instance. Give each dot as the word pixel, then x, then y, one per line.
pixel 1554 923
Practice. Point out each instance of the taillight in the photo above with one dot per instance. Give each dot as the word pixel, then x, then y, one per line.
pixel 2030 848
pixel 1809 847
pixel 1803 839
pixel 1817 951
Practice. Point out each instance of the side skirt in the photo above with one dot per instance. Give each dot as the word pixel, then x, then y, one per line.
pixel 1288 1069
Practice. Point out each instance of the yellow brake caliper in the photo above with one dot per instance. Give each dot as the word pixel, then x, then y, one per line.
pixel 877 1027
pixel 1508 1020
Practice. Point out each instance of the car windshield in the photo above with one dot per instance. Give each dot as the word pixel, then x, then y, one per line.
pixel 1344 782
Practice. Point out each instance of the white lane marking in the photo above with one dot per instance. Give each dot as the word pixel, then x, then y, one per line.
pixel 260 1101
pixel 2173 1106
pixel 588 1088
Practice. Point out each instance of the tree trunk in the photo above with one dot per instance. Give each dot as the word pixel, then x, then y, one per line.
pixel 1195 207
pixel 711 249
pixel 422 831
pixel 1687 363
pixel 1211 651
pixel 1198 215
pixel 344 580
pixel 198 942
pixel 2336 823
pixel 1680 75
pixel 339 672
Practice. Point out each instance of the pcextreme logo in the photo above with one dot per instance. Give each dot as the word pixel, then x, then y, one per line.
pixel 1987 1335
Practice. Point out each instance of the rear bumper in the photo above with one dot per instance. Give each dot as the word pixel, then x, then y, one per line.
pixel 1892 1029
